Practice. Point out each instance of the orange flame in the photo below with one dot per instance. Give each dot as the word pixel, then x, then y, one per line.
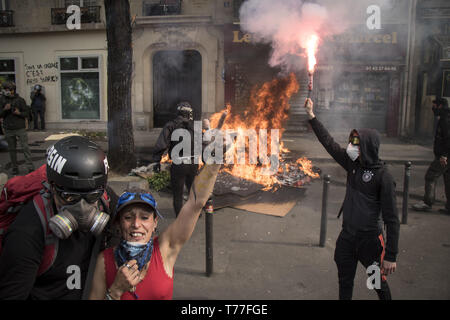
pixel 267 109
pixel 165 158
pixel 306 167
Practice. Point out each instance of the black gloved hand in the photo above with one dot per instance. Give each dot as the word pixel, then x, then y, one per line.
pixel 157 167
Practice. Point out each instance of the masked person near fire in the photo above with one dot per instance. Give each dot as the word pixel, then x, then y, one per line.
pixel 183 173
pixel 141 266
pixel 14 112
pixel 370 189
pixel 440 165
pixel 62 221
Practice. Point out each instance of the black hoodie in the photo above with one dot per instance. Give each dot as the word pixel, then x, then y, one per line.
pixel 441 145
pixel 164 142
pixel 370 195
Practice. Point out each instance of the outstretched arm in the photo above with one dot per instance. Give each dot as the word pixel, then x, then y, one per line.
pixel 180 231
pixel 333 148
pixel 176 235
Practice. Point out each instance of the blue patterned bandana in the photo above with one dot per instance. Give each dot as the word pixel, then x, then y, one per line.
pixel 127 251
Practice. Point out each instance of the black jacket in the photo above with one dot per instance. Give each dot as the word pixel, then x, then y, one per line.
pixel 164 140
pixel 12 121
pixel 22 252
pixel 370 193
pixel 37 100
pixel 441 145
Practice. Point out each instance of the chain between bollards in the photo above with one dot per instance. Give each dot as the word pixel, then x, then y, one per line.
pixel 209 212
pixel 406 192
pixel 323 219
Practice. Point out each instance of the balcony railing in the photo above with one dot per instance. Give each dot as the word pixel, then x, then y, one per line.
pixel 6 18
pixel 88 14
pixel 164 7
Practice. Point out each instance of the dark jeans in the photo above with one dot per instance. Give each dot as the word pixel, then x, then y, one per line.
pixel 435 170
pixel 41 113
pixel 11 137
pixel 351 249
pixel 181 174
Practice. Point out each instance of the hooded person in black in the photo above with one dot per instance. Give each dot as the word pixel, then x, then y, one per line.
pixel 369 201
pixel 180 174
pixel 439 166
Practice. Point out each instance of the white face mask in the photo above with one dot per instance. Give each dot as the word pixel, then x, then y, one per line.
pixel 353 151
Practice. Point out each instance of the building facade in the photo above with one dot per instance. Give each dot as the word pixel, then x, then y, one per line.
pixel 194 50
pixel 431 65
pixel 177 56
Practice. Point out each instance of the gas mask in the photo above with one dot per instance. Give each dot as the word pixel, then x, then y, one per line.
pixel 81 215
pixel 353 151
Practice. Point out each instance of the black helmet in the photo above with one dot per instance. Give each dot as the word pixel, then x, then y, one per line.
pixel 184 109
pixel 76 163
pixel 37 87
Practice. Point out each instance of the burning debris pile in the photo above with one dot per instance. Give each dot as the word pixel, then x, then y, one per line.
pixel 297 174
pixel 264 117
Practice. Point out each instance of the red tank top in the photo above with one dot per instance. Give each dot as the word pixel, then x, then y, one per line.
pixel 157 285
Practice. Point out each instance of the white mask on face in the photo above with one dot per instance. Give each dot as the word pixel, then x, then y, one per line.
pixel 353 151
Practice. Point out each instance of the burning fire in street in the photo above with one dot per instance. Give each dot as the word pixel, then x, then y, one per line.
pixel 268 109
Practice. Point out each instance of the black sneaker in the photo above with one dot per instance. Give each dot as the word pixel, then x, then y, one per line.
pixel 444 211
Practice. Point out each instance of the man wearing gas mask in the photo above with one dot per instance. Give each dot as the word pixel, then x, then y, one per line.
pixel 180 174
pixel 370 191
pixel 62 221
pixel 13 110
pixel 439 166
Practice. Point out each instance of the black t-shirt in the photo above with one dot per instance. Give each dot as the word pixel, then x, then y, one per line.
pixel 21 256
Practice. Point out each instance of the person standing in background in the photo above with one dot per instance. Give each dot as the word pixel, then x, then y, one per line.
pixel 38 107
pixel 14 113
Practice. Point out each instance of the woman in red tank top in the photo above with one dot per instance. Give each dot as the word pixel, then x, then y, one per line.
pixel 141 267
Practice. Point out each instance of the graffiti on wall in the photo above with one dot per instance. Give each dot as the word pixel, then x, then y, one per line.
pixel 41 73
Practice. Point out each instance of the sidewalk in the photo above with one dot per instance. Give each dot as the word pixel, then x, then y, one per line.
pixel 264 257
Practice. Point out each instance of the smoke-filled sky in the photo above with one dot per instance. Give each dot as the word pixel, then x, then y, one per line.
pixel 288 24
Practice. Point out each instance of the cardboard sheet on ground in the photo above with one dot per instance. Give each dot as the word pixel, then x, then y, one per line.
pixel 277 203
pixel 60 136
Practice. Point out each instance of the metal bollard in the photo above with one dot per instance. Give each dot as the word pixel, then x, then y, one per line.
pixel 406 192
pixel 323 219
pixel 209 211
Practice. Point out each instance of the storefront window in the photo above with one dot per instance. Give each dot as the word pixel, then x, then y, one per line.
pixel 7 70
pixel 80 88
pixel 356 91
pixel 80 3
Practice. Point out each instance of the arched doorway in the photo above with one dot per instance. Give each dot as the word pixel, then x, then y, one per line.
pixel 177 76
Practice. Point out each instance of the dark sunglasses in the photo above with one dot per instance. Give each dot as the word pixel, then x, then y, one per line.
pixel 354 140
pixel 75 196
pixel 146 197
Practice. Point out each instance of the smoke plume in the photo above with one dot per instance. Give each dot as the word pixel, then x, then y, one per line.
pixel 286 25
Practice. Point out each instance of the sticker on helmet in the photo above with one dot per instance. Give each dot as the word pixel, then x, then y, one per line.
pixel 55 160
pixel 105 162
